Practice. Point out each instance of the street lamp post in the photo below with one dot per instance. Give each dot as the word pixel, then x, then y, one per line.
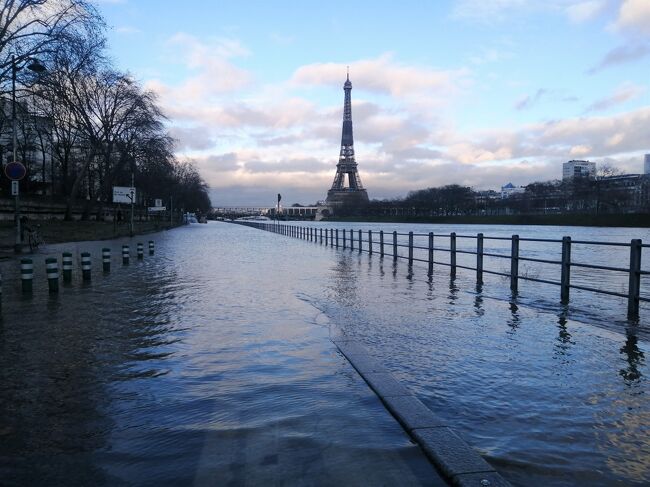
pixel 37 68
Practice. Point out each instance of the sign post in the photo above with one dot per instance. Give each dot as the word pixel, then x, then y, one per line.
pixel 16 171
pixel 125 194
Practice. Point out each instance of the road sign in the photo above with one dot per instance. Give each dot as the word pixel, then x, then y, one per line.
pixel 15 188
pixel 158 202
pixel 157 208
pixel 15 171
pixel 123 194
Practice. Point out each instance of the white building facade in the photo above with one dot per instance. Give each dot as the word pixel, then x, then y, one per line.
pixel 578 169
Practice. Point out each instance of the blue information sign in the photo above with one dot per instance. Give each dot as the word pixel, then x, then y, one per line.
pixel 15 171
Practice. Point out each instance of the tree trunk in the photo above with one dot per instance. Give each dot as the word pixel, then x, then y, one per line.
pixel 72 197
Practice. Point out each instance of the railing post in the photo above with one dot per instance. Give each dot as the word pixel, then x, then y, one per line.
pixel 360 241
pixel 452 252
pixel 635 279
pixel 514 263
pixel 381 243
pixel 410 248
pixel 479 258
pixel 565 278
pixel 351 239
pixel 430 253
pixel 369 242
pixel 336 234
pixel 344 238
pixel 321 236
pixel 326 236
pixel 394 245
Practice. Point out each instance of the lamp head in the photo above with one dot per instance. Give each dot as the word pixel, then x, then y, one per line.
pixel 36 66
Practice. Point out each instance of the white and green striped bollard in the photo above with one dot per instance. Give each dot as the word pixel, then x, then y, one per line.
pixel 151 247
pixel 125 254
pixel 66 265
pixel 52 271
pixel 26 274
pixel 140 250
pixel 106 259
pixel 85 266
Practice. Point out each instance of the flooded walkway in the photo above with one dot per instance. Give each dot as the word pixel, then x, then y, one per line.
pixel 202 365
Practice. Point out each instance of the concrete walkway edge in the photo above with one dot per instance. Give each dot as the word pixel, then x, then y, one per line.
pixel 459 463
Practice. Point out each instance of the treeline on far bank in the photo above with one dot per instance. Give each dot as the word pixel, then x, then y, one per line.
pixel 82 125
pixel 598 201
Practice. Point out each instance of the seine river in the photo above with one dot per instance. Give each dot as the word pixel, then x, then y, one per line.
pixel 211 363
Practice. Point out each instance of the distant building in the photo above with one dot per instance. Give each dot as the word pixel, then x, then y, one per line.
pixel 578 169
pixel 630 191
pixel 510 189
pixel 646 164
pixel 33 134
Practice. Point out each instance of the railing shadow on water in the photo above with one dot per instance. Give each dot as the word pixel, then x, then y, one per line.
pixel 468 252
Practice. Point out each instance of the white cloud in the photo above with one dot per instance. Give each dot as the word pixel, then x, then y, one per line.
pixel 386 76
pixel 625 53
pixel 583 11
pixel 622 94
pixel 127 30
pixel 213 72
pixel 634 15
pixel 485 11
pixel 281 39
pixel 489 11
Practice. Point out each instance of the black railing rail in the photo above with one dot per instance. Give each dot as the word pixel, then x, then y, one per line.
pixel 388 245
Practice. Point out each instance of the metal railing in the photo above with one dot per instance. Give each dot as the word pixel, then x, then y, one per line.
pixel 388 245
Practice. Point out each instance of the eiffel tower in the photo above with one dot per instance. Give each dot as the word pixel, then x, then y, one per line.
pixel 353 194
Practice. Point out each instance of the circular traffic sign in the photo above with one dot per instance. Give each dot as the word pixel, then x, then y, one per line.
pixel 15 171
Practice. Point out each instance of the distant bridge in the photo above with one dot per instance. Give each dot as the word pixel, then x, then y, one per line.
pixel 286 212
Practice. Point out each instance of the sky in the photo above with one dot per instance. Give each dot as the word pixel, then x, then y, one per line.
pixel 471 92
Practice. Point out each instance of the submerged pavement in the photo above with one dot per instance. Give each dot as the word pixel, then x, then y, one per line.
pixel 198 365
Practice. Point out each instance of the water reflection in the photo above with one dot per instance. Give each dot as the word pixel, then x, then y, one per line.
pixel 515 319
pixel 453 290
pixel 478 300
pixel 635 359
pixel 59 355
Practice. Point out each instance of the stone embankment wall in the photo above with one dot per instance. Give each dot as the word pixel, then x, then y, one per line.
pixel 47 209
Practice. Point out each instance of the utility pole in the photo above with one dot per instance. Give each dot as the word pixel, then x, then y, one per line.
pixel 132 198
pixel 18 242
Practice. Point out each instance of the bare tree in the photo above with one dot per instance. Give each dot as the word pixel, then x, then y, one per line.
pixel 38 28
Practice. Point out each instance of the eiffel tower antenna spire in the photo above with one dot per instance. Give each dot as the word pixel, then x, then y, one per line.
pixel 353 193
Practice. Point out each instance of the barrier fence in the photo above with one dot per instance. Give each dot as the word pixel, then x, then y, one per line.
pixel 388 244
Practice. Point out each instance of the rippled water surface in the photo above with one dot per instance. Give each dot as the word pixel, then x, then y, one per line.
pixel 211 363
pixel 201 365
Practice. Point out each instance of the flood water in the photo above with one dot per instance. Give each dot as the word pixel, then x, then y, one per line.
pixel 210 363
pixel 200 365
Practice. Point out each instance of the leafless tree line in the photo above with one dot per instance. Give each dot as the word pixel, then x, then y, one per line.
pixel 92 125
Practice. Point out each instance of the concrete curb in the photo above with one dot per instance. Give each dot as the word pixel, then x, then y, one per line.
pixel 459 463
